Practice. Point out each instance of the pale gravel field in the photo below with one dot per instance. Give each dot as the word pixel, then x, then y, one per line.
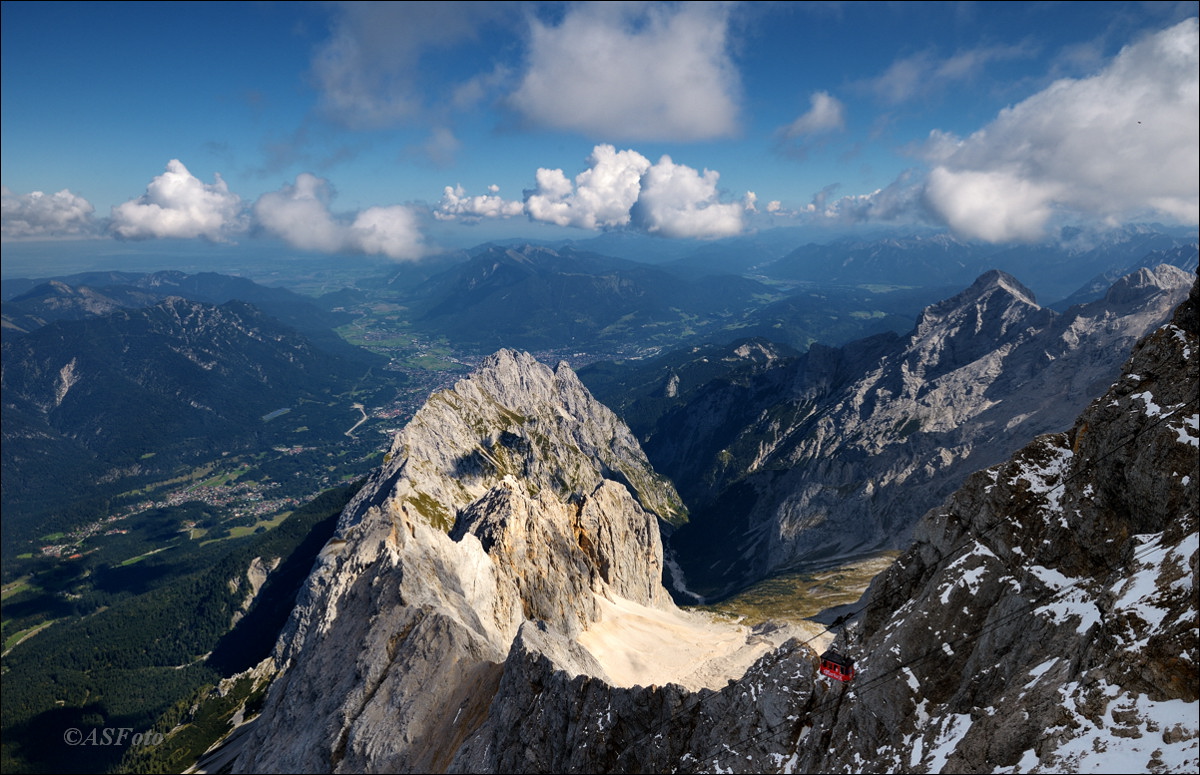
pixel 644 646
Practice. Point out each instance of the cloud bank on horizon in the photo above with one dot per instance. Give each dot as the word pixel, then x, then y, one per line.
pixel 619 189
pixel 1117 143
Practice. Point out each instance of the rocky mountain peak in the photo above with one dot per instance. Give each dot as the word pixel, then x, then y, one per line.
pixel 875 433
pixel 996 298
pixel 994 278
pixel 522 383
pixel 996 311
pixel 516 416
pixel 512 501
pixel 1045 612
pixel 1043 621
pixel 1135 286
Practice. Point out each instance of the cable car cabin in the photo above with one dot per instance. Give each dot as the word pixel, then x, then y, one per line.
pixel 837 666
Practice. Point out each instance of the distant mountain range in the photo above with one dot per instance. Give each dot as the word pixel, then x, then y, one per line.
pixel 30 304
pixel 493 599
pixel 804 459
pixel 1052 270
pixel 581 295
pixel 537 297
pixel 569 295
pixel 1183 257
pixel 133 391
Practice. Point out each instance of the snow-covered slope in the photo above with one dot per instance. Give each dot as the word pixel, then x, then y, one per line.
pixel 1045 619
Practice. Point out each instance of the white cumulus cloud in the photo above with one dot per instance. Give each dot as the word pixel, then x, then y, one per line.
pixel 1121 145
pixel 825 114
pixel 299 214
pixel 388 231
pixel 678 201
pixel 633 71
pixel 456 204
pixel 180 205
pixel 1124 143
pixel 38 214
pixel 992 205
pixel 619 189
pixel 903 198
pixel 600 196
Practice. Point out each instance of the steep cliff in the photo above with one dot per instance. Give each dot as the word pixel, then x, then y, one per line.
pixel 1045 617
pixel 864 439
pixel 1044 620
pixel 513 499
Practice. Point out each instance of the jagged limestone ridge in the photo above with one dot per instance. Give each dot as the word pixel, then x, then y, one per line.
pixel 515 416
pixel 982 373
pixel 550 718
pixel 509 499
pixel 1046 614
pixel 1047 611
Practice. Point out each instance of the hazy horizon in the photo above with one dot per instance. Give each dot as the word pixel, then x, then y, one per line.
pixel 402 130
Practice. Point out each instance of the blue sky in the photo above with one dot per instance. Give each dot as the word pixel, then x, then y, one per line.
pixel 401 129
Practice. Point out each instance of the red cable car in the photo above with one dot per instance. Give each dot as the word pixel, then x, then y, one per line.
pixel 837 666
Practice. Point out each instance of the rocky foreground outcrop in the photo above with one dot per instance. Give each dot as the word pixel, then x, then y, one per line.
pixel 513 509
pixel 1045 618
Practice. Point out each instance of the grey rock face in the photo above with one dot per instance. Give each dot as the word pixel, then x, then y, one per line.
pixel 547 719
pixel 1045 617
pixel 515 417
pixel 1043 620
pixel 513 497
pixel 876 433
